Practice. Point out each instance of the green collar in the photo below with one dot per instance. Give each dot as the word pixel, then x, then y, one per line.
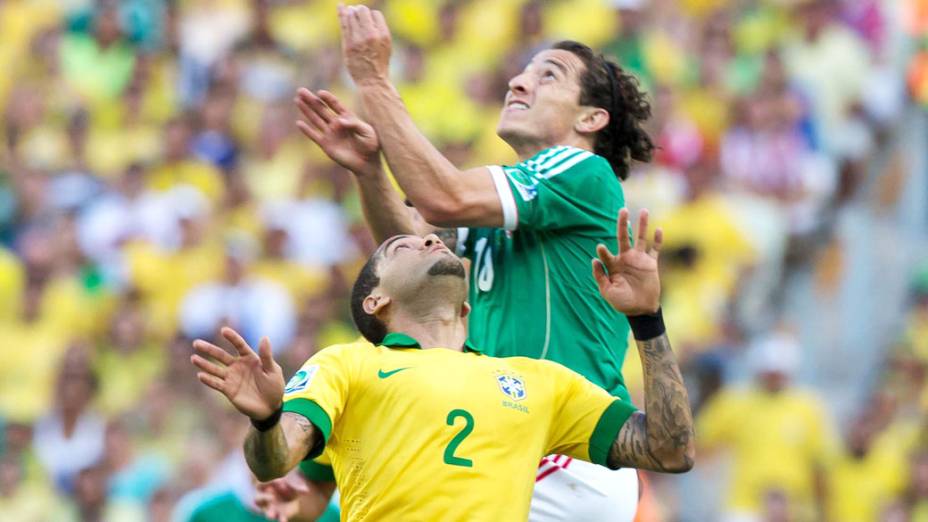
pixel 401 340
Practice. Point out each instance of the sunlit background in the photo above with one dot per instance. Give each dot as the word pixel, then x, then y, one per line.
pixel 153 187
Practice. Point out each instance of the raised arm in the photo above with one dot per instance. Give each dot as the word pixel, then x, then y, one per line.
pixel 254 384
pixel 445 195
pixel 353 144
pixel 661 438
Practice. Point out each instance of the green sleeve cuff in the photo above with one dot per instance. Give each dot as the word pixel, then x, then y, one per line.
pixel 318 472
pixel 317 416
pixel 607 430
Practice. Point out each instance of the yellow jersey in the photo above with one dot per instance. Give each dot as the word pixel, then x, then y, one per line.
pixel 440 434
pixel 776 440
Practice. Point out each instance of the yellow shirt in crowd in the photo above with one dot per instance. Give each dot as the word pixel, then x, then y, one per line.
pixel 776 439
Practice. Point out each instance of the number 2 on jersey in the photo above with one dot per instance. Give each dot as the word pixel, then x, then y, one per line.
pixel 450 458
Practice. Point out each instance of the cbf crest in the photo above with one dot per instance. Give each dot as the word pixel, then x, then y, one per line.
pixel 511 385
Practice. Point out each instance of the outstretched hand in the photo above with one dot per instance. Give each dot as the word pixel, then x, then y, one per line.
pixel 629 280
pixel 279 499
pixel 253 382
pixel 366 42
pixel 344 137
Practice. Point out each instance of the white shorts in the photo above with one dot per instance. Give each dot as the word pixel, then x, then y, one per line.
pixel 574 490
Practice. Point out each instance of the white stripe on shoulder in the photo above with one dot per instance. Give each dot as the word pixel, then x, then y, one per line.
pixel 534 164
pixel 567 164
pixel 459 246
pixel 561 155
pixel 506 199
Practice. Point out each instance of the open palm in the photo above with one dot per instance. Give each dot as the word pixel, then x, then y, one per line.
pixel 342 135
pixel 629 281
pixel 253 383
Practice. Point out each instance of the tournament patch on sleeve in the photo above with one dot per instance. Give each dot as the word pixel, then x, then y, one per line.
pixel 301 379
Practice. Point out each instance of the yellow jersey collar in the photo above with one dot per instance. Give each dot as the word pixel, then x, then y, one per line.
pixel 401 340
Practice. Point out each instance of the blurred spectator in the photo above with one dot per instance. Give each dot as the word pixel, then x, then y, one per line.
pixel 129 361
pixel 830 63
pixel 179 167
pixel 864 479
pixel 254 307
pixel 70 438
pixel 705 255
pixel 215 142
pixel 99 66
pixel 20 500
pixel 779 436
pixel 916 499
pixel 132 478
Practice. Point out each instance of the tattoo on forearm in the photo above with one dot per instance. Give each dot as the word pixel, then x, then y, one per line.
pixel 273 453
pixel 266 452
pixel 448 236
pixel 662 438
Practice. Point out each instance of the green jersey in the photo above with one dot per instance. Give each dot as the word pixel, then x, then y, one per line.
pixel 531 284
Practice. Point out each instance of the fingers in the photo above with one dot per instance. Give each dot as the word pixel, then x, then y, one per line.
pixel 358 21
pixel 599 273
pixel 655 249
pixel 309 131
pixel 357 127
pixel 605 256
pixel 641 243
pixel 345 23
pixel 334 103
pixel 262 499
pixel 210 380
pixel 264 352
pixel 312 119
pixel 315 105
pixel 237 341
pixel 380 23
pixel 209 367
pixel 211 350
pixel 365 19
pixel 621 231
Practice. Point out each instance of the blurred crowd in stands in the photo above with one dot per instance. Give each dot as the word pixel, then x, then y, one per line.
pixel 153 187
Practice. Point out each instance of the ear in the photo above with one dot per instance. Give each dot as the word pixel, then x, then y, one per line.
pixel 374 303
pixel 465 310
pixel 591 120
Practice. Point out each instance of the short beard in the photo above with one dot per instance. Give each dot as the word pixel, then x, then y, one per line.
pixel 449 267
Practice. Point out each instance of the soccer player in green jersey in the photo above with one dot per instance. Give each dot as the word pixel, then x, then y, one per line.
pixel 575 120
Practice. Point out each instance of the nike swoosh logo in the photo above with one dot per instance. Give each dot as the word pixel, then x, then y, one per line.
pixel 383 375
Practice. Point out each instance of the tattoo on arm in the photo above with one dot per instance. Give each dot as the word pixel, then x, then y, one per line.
pixel 661 438
pixel 448 236
pixel 273 453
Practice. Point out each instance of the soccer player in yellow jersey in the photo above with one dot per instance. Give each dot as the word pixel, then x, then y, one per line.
pixel 422 426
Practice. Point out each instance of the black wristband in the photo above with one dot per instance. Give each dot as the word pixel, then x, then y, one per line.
pixel 270 422
pixel 648 326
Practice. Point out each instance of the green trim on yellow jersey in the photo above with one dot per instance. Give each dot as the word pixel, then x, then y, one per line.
pixel 317 416
pixel 401 340
pixel 607 430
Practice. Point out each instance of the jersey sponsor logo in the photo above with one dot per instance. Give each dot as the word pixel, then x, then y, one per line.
pixel 301 379
pixel 383 375
pixel 511 386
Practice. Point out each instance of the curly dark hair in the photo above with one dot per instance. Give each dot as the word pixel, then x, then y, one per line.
pixel 604 84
